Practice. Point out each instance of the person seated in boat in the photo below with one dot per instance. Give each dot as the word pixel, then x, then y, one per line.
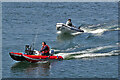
pixel 69 23
pixel 45 49
pixel 79 27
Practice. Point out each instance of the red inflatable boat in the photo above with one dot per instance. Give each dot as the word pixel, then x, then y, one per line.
pixel 17 56
pixel 32 58
pixel 37 58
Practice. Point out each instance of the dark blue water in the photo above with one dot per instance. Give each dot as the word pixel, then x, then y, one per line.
pixel 92 54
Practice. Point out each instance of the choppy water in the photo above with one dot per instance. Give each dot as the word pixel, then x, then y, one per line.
pixel 93 54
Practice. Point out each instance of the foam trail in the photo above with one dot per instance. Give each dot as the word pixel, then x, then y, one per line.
pixel 58 32
pixel 98 32
pixel 69 49
pixel 115 29
pixel 64 55
pixel 98 48
pixel 97 55
pixel 42 62
pixel 77 33
pixel 57 50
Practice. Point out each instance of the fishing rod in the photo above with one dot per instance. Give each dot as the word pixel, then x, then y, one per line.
pixel 30 49
pixel 34 40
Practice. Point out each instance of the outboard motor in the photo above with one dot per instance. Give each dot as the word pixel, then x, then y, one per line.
pixel 28 50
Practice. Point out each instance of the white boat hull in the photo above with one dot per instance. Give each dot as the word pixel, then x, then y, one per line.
pixel 67 29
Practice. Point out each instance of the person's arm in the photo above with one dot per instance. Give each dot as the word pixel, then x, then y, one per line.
pixel 67 23
pixel 43 49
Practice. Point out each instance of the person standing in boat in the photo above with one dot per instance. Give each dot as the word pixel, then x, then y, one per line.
pixel 69 23
pixel 45 49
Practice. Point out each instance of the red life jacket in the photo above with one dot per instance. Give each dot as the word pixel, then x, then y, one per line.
pixel 46 51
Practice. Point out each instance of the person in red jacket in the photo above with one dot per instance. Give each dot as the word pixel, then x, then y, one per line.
pixel 45 49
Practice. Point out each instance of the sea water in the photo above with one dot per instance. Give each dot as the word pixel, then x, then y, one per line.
pixel 92 54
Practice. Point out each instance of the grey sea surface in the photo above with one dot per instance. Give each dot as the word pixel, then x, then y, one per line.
pixel 92 54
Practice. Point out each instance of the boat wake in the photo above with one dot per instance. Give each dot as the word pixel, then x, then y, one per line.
pixel 95 29
pixel 99 30
pixel 98 55
pixel 89 53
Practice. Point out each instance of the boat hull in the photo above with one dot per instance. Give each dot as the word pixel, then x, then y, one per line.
pixel 67 29
pixel 17 56
pixel 37 58
pixel 33 58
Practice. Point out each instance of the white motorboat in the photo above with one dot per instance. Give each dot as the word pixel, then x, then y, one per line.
pixel 67 29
